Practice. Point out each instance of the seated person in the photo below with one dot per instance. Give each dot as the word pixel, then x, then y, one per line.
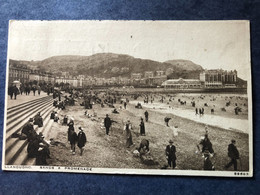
pixel 52 115
pixel 166 120
pixel 38 120
pixel 206 145
pixel 43 151
pixel 55 103
pixel 28 130
pixel 56 118
pixel 33 146
pixel 144 147
pixel 138 105
pixel 115 111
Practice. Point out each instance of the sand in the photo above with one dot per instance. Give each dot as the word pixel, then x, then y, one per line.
pixel 110 152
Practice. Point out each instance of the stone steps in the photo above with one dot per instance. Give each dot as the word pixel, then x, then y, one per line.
pixel 17 117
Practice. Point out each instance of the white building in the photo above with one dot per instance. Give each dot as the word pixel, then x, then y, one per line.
pixel 182 83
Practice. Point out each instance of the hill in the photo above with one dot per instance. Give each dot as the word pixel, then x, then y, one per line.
pixel 113 65
pixel 185 64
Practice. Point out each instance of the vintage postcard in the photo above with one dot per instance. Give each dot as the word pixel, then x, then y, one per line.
pixel 129 97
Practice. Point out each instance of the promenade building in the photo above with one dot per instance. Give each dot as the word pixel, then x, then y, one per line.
pixel 18 72
pixel 72 81
pixel 158 80
pixel 182 83
pixel 41 77
pixel 155 79
pixel 34 76
pixel 219 78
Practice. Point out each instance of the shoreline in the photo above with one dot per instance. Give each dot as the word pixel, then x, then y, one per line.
pixel 173 112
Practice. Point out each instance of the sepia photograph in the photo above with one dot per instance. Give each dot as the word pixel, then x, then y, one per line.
pixel 129 97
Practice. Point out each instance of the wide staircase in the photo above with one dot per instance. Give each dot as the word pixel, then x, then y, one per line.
pixel 17 117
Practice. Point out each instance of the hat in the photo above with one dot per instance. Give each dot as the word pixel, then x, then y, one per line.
pixel 233 141
pixel 170 141
pixel 80 129
pixel 31 120
pixel 72 118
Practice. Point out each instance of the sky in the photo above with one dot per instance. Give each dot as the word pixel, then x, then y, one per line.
pixel 211 44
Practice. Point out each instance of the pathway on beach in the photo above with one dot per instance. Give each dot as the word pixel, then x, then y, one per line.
pixel 207 119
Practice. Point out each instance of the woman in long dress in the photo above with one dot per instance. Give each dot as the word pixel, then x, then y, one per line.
pixel 128 128
pixel 142 128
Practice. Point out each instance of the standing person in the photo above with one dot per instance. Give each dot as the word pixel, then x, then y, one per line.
pixel 34 89
pixel 125 105
pixel 170 154
pixel 73 138
pixel 29 89
pixel 71 128
pixel 128 128
pixel 39 90
pixel 59 95
pixel 146 114
pixel 175 131
pixel 16 91
pixel 233 154
pixel 196 111
pixel 107 124
pixel 22 89
pixel 142 127
pixel 81 140
pixel 54 95
pixel 11 91
pixel 48 90
pixel 208 166
pixel 65 120
pixel 71 123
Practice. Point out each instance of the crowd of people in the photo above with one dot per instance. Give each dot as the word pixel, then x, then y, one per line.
pixel 26 88
pixel 170 151
pixel 38 148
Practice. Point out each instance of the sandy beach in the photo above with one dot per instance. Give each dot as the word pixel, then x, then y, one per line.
pixel 110 152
